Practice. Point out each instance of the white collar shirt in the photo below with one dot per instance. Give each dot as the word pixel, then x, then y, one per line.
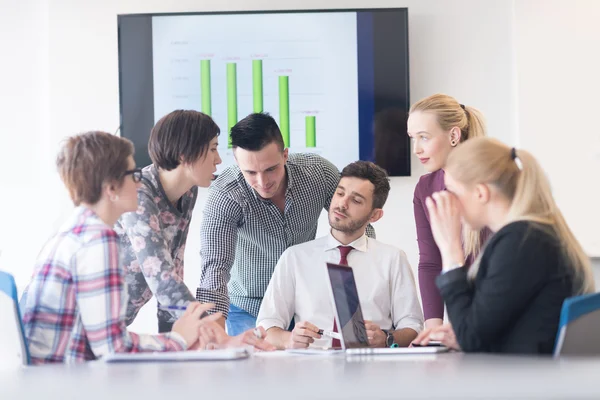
pixel 300 289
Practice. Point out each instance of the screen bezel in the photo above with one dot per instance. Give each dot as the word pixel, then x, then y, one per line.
pixel 405 151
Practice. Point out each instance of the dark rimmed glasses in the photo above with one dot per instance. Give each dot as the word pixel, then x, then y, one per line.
pixel 136 174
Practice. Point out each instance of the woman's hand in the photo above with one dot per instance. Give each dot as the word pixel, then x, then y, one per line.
pixel 444 334
pixel 188 326
pixel 446 225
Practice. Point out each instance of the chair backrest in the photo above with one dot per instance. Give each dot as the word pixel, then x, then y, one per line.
pixel 579 327
pixel 13 345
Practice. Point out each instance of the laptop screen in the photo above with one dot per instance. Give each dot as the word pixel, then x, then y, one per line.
pixel 347 304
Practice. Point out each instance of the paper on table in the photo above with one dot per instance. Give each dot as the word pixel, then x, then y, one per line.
pixel 316 351
pixel 295 352
pixel 206 355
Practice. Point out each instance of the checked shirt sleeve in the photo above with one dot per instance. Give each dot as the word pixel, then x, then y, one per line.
pixel 217 249
pixel 102 300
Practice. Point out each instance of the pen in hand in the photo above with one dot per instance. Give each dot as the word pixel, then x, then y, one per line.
pixel 333 335
pixel 179 309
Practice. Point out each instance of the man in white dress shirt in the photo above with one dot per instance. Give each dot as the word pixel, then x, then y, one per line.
pixel 299 289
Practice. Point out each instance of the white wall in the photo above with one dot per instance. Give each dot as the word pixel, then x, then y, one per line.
pixel 24 134
pixel 67 82
pixel 559 82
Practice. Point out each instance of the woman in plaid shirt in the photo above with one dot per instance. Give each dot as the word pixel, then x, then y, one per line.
pixel 76 302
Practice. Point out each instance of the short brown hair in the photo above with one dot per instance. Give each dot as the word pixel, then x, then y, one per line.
pixel 374 174
pixel 88 160
pixel 181 134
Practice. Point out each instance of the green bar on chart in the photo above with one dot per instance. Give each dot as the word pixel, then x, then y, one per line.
pixel 311 131
pixel 205 86
pixel 284 109
pixel 231 99
pixel 257 85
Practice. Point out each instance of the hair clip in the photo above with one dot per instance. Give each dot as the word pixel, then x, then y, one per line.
pixel 513 155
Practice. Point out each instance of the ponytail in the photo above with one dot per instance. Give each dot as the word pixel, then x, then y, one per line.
pixel 519 177
pixel 533 201
pixel 475 124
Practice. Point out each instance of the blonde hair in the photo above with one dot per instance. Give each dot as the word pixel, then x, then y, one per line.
pixel 486 160
pixel 449 114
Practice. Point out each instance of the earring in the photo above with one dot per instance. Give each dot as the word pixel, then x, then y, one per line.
pixel 453 143
pixel 114 198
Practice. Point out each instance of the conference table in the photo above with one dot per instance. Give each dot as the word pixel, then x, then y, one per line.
pixel 309 377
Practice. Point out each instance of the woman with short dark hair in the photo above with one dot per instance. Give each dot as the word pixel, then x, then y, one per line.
pixel 183 149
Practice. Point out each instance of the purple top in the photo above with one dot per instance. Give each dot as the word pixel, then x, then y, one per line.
pixel 430 259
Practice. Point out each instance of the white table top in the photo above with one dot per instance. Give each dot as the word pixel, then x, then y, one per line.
pixel 311 377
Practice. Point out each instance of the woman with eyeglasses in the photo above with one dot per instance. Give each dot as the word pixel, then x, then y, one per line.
pixel 75 306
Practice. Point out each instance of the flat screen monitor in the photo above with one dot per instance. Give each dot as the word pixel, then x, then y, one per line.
pixel 336 81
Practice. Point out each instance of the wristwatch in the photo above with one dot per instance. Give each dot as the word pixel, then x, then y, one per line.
pixel 389 340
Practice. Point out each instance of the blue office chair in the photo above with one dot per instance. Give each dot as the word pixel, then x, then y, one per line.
pixel 579 327
pixel 13 344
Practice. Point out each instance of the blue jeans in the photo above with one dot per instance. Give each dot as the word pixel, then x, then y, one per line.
pixel 239 321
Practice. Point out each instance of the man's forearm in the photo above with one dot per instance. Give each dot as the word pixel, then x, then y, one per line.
pixel 278 337
pixel 220 299
pixel 403 337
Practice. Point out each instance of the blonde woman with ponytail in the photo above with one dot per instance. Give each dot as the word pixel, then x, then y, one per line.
pixel 509 301
pixel 437 125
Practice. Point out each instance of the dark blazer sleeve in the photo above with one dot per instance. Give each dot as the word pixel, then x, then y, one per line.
pixel 511 272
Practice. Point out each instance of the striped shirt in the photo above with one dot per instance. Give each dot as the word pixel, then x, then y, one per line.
pixel 76 302
pixel 243 235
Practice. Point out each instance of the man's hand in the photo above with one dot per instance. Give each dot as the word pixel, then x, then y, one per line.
pixel 252 337
pixel 303 335
pixel 221 321
pixel 213 336
pixel 376 336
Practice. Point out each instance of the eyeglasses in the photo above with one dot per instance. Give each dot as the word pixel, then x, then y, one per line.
pixel 136 174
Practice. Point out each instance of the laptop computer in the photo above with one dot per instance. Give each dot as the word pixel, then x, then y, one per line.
pixel 349 317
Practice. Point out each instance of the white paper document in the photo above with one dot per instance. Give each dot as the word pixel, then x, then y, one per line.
pixel 170 356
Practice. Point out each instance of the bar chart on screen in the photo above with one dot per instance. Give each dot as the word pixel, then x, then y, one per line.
pixel 286 65
pixel 279 94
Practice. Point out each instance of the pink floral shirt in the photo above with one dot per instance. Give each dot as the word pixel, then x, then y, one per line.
pixel 153 244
